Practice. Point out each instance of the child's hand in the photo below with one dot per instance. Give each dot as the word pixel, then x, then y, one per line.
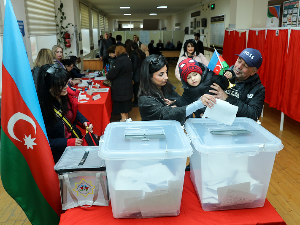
pixel 228 75
pixel 169 102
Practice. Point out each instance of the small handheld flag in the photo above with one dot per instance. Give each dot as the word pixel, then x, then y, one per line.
pixel 217 64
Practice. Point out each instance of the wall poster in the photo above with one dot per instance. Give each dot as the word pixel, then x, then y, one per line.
pixel 290 15
pixel 273 16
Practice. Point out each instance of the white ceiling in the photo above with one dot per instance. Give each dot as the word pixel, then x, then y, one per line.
pixel 140 9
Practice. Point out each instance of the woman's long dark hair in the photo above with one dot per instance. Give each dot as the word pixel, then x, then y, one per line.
pixel 189 41
pixel 128 44
pixel 135 50
pixel 152 64
pixel 55 78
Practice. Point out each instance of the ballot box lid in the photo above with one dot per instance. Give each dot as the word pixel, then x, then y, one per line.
pixel 78 158
pixel 244 136
pixel 159 139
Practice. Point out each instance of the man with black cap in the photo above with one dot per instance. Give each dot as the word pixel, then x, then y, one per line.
pixel 248 93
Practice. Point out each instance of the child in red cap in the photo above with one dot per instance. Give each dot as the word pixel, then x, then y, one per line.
pixel 197 79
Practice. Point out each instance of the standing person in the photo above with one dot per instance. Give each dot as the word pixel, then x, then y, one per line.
pixel 137 58
pixel 58 55
pixel 199 46
pixel 128 44
pixel 104 44
pixel 156 91
pixel 45 56
pixel 101 37
pixel 190 52
pixel 137 40
pixel 112 40
pixel 54 94
pixel 151 47
pixel 119 40
pixel 160 45
pixel 111 51
pixel 248 93
pixel 121 83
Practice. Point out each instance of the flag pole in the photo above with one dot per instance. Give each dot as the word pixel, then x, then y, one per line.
pixel 219 59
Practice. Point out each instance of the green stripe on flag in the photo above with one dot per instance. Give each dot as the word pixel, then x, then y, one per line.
pixel 20 185
pixel 225 67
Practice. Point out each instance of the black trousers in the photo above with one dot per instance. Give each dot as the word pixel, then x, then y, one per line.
pixel 136 87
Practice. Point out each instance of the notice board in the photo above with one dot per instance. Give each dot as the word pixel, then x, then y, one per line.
pixel 217 31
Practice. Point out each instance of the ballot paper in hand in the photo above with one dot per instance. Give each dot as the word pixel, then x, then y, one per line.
pixel 222 112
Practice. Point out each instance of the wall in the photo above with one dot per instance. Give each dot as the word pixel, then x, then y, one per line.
pixel 259 13
pixel 184 18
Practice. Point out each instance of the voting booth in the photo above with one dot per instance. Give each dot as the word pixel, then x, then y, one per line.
pixel 82 177
pixel 145 164
pixel 231 166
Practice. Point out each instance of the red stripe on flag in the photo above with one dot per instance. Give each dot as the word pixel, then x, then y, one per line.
pixel 20 128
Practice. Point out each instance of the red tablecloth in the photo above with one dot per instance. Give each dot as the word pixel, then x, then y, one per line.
pixel 98 112
pixel 190 213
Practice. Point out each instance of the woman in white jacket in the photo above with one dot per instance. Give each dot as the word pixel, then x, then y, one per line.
pixel 190 52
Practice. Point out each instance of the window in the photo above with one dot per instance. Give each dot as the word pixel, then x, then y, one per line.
pixel 41 24
pixel 95 28
pixel 129 25
pixel 85 28
pixel 40 17
pixel 101 20
pixel 84 16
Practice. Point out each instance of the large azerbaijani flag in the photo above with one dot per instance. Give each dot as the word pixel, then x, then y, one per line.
pixel 27 171
pixel 217 64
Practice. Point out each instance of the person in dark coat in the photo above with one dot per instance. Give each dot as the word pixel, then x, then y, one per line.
pixel 156 93
pixel 121 83
pixel 119 40
pixel 104 44
pixel 199 46
pixel 137 58
pixel 248 93
pixel 197 80
pixel 53 92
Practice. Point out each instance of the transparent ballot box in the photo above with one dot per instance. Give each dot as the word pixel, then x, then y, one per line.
pixel 145 165
pixel 82 177
pixel 231 166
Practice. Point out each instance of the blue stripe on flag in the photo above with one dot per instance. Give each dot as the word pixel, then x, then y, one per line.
pixel 213 62
pixel 16 63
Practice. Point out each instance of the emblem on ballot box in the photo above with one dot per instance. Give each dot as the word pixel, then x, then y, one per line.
pixel 84 188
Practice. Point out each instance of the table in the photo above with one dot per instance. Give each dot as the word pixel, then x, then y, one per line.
pixel 98 112
pixel 191 213
pixel 92 64
pixel 171 53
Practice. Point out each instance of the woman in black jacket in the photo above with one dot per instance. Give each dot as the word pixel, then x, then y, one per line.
pixel 137 58
pixel 121 83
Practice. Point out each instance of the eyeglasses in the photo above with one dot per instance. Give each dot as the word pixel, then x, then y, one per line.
pixel 157 60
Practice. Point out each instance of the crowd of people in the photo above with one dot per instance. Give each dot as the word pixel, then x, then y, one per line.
pixel 141 80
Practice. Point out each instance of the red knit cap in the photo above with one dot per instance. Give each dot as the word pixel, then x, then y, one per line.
pixel 187 66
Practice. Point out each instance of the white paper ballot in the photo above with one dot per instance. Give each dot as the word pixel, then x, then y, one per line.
pixel 100 78
pixel 222 112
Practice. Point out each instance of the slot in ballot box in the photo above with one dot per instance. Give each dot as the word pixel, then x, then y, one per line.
pixel 82 177
pixel 145 164
pixel 231 166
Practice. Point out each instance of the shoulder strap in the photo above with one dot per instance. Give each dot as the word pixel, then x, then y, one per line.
pixel 66 122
